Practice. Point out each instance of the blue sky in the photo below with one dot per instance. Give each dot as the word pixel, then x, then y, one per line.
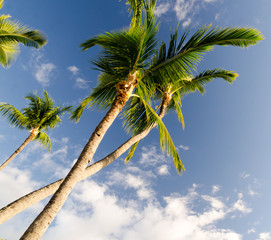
pixel 226 145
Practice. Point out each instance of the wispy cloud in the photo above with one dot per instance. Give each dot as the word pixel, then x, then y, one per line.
pixel 162 8
pixel 264 236
pixel 43 69
pixel 183 147
pixel 124 204
pixel 215 189
pixel 73 69
pixel 80 82
pixel 185 10
pixel 244 175
pixel 163 170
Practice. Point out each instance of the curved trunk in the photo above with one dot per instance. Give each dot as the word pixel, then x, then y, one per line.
pixel 30 199
pixel 44 219
pixel 32 135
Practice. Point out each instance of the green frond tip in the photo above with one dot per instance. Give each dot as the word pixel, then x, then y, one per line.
pixel 131 153
pixel 44 139
pixel 1 3
pixel 77 113
pixel 165 138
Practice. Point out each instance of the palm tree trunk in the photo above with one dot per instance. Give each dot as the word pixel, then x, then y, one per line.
pixel 30 199
pixel 44 219
pixel 32 135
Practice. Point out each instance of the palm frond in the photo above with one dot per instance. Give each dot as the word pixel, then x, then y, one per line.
pixel 102 96
pixel 134 113
pixel 131 152
pixel 14 116
pixel 165 139
pixel 198 82
pixel 44 139
pixel 11 34
pixel 179 111
pixel 188 53
pixel 1 3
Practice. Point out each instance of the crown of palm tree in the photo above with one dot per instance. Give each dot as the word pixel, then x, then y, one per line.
pixel 134 50
pixel 11 34
pixel 40 114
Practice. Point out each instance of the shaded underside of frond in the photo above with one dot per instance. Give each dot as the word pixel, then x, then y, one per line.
pixel 44 139
pixel 11 34
pixel 14 116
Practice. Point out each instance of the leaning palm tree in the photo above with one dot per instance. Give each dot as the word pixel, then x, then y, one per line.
pixel 169 100
pixel 127 71
pixel 11 34
pixel 40 115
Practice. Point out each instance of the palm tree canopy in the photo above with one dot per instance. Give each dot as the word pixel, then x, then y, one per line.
pixel 40 114
pixel 159 69
pixel 12 33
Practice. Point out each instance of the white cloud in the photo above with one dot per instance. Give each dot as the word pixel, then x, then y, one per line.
pixel 42 68
pixel 163 170
pixel 183 8
pixel 81 83
pixel 209 1
pixel 187 22
pixel 186 9
pixel 43 73
pixel 264 236
pixel 102 215
pixel 151 157
pixel 240 205
pixel 185 148
pixel 124 205
pixel 252 230
pixel 14 183
pixel 215 189
pixel 162 9
pixel 244 175
pixel 73 69
pixel 97 211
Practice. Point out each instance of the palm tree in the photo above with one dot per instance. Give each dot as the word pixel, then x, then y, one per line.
pixel 11 34
pixel 170 100
pixel 39 116
pixel 126 68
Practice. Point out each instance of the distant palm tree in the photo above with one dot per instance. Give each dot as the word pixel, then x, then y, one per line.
pixel 11 34
pixel 39 116
pixel 127 71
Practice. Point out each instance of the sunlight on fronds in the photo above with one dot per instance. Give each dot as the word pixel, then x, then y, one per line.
pixel 165 138
pixel 44 139
pixel 131 152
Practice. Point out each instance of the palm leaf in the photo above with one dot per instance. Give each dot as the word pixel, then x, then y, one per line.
pixel 11 34
pixel 14 116
pixel 186 56
pixel 165 139
pixel 131 152
pixel 44 139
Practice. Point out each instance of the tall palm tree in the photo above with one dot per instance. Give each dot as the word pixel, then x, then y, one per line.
pixel 11 34
pixel 170 100
pixel 40 115
pixel 126 69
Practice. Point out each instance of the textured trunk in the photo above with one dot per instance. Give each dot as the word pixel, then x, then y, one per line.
pixel 30 199
pixel 32 135
pixel 44 219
